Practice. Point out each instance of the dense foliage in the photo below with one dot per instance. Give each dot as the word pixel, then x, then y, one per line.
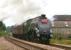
pixel 2 29
pixel 2 26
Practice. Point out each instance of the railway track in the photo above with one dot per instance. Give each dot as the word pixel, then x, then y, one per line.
pixel 26 45
pixel 65 47
pixel 34 46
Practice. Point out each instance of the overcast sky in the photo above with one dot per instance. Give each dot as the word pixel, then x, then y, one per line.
pixel 18 11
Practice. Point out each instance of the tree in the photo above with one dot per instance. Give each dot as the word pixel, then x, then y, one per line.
pixel 2 26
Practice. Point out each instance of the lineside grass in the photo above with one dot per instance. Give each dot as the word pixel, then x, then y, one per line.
pixel 3 33
pixel 62 41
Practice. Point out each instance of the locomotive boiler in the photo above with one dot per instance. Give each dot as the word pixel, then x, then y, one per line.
pixel 36 29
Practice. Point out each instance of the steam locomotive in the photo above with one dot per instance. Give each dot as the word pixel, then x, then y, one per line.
pixel 35 30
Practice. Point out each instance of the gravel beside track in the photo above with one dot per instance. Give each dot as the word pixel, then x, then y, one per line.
pixel 6 45
pixel 30 44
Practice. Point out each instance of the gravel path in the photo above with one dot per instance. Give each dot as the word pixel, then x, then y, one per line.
pixel 6 45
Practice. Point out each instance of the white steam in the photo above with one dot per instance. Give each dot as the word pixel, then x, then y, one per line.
pixel 21 10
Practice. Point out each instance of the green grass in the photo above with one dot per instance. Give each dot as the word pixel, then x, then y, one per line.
pixel 63 41
pixel 3 33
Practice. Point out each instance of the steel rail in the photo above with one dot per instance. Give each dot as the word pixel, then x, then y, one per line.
pixel 34 46
pixel 65 47
pixel 26 45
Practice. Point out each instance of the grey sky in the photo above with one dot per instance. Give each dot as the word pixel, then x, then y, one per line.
pixel 21 10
